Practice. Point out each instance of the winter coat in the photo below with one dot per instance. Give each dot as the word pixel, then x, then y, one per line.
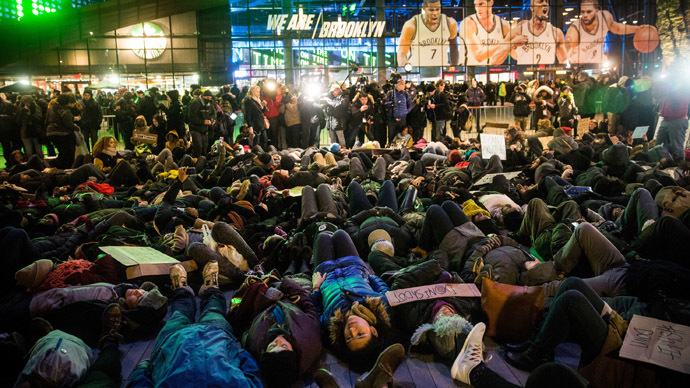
pixel 475 96
pixel 173 140
pixel 357 117
pixel 301 320
pixel 254 114
pixel 147 107
pixel 30 121
pixel 347 281
pixel 567 110
pixel 199 111
pixel 7 115
pixel 442 110
pixel 197 355
pixel 175 120
pixel 399 104
pixel 291 113
pixel 56 298
pixel 59 122
pixel 362 224
pixel 520 103
pixel 456 242
pixel 91 115
pixel 412 315
pixel 562 142
pixel 338 113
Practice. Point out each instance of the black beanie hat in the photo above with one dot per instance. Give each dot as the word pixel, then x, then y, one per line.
pixel 287 163
pixel 487 226
pixel 279 369
pixel 513 220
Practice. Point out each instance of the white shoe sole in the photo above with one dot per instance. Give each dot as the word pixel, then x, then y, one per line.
pixel 458 360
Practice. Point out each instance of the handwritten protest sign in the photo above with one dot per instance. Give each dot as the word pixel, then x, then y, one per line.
pixel 431 291
pixel 144 261
pixel 489 178
pixel 658 342
pixel 639 132
pixel 582 126
pixel 493 145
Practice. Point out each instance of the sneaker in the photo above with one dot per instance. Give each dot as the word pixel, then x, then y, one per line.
pixel 382 372
pixel 324 379
pixel 471 355
pixel 178 277
pixel 210 274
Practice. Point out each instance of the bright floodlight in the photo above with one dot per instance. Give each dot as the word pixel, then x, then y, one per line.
pixel 314 90
pixel 408 68
pixel 271 85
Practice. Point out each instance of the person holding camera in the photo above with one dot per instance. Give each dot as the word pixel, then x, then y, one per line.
pixel 362 118
pixel 439 106
pixel 399 105
pixel 521 110
pixel 337 106
pixel 201 118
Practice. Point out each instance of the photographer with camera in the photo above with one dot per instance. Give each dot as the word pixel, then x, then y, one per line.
pixel 337 111
pixel 439 107
pixel 362 117
pixel 399 105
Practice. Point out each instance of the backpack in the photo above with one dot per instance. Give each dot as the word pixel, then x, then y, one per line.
pixel 58 359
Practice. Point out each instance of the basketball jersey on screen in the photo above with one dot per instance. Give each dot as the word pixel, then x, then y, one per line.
pixel 590 47
pixel 430 48
pixel 486 38
pixel 539 49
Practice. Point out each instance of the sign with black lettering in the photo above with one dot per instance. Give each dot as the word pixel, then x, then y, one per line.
pixel 432 291
pixel 658 342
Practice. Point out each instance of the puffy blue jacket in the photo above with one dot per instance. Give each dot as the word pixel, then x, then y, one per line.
pixel 347 281
pixel 399 104
pixel 198 356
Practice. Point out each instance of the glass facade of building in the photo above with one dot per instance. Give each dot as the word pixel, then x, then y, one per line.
pixel 245 40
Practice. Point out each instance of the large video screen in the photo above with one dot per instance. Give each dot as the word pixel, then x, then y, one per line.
pixel 539 34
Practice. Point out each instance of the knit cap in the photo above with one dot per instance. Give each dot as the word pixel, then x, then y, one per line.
pixel 470 208
pixel 33 274
pixel 455 157
pixel 153 298
pixel 380 240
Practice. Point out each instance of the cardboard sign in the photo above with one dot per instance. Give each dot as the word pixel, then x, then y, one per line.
pixel 144 261
pixel 489 178
pixel 640 132
pixel 582 126
pixel 658 342
pixel 432 291
pixel 493 145
pixel 144 137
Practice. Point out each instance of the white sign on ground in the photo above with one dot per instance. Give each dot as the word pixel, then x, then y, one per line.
pixel 432 291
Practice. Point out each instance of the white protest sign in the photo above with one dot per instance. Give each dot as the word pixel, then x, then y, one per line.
pixel 489 178
pixel 658 342
pixel 493 145
pixel 583 126
pixel 432 291
pixel 639 132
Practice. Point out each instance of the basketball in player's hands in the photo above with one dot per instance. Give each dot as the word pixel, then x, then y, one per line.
pixel 646 39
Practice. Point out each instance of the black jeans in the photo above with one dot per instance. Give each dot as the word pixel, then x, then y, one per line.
pixel 199 143
pixel 440 220
pixel 395 127
pixel 319 200
pixel 359 201
pixel 65 146
pixel 575 314
pixel 641 208
pixel 333 246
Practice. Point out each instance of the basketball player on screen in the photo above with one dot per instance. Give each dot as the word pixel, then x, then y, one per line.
pixel 586 36
pixel 486 36
pixel 545 42
pixel 426 38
